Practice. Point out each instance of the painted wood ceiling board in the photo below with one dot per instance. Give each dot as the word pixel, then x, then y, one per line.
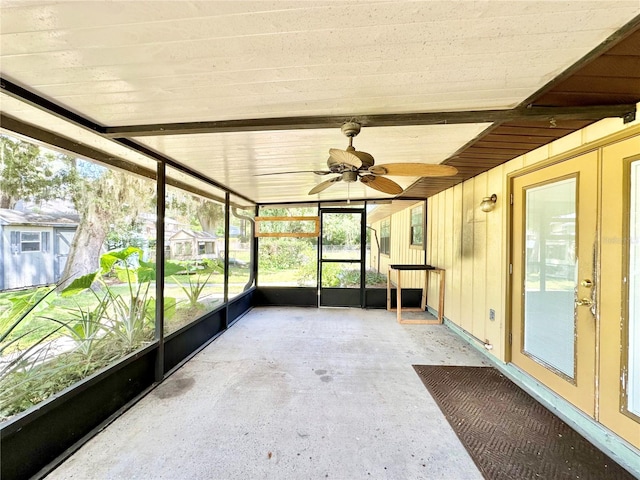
pixel 278 56
pixel 242 18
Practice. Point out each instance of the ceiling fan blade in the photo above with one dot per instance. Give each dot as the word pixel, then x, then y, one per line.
pixel 381 184
pixel 317 172
pixel 324 185
pixel 346 157
pixel 414 170
pixel 364 157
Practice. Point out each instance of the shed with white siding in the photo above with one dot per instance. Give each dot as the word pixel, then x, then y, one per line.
pixel 34 247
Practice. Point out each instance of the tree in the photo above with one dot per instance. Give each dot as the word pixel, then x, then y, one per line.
pixel 210 215
pixel 104 199
pixel 199 212
pixel 28 174
pixel 107 200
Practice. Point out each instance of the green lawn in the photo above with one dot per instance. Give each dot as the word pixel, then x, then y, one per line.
pixel 180 309
pixel 39 322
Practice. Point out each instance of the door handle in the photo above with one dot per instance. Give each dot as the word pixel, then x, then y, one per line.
pixel 584 302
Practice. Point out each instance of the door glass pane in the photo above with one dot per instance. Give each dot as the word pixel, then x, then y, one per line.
pixel 633 386
pixel 550 274
pixel 341 236
pixel 341 274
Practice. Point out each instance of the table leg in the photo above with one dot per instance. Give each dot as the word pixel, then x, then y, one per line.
pixel 399 301
pixel 425 289
pixel 389 289
pixel 441 297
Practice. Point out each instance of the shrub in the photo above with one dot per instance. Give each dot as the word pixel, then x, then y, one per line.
pixel 118 321
pixel 285 253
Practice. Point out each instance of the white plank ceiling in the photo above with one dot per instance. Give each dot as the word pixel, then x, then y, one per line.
pixel 138 62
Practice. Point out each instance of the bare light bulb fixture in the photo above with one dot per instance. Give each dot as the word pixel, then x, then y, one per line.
pixel 488 203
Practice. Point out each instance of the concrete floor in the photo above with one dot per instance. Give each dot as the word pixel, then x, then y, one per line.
pixel 292 393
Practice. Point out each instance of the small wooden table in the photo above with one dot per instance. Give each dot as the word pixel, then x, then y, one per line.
pixel 427 269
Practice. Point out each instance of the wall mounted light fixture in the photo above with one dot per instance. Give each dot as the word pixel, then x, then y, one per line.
pixel 488 203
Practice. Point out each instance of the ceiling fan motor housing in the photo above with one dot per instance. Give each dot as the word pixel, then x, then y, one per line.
pixel 350 129
pixel 349 176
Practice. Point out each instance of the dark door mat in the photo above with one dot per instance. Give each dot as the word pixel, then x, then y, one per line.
pixel 508 434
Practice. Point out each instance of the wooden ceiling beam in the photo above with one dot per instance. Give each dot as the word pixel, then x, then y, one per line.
pixel 538 114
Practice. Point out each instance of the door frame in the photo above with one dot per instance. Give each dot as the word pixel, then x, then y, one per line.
pixel 510 178
pixel 596 145
pixel 612 431
pixel 585 380
pixel 339 293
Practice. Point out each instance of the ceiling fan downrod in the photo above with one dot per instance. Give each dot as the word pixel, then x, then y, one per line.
pixel 350 130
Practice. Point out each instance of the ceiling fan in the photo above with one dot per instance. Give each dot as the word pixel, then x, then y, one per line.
pixel 351 165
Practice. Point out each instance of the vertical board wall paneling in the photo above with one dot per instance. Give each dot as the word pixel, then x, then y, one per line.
pixel 434 259
pixel 429 231
pixel 397 238
pixel 566 143
pixel 412 255
pixel 538 155
pixel 466 270
pixel 440 253
pixel 479 258
pixel 442 215
pixel 433 238
pixel 401 251
pixel 448 248
pixel 466 242
pixel 454 297
pixel 438 204
pixel 495 274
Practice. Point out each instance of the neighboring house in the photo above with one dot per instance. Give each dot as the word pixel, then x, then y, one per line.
pixel 148 228
pixel 189 245
pixel 34 246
